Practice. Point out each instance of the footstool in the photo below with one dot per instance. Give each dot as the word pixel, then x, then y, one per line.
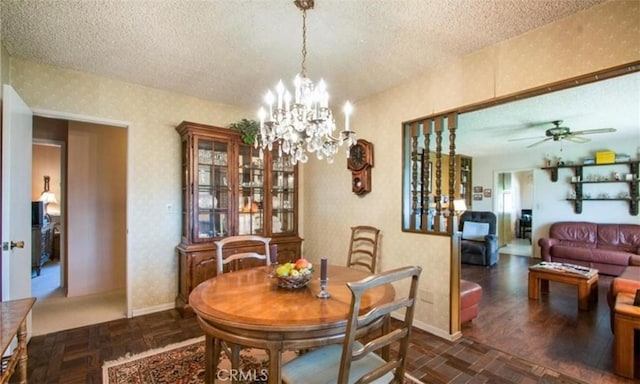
pixel 470 295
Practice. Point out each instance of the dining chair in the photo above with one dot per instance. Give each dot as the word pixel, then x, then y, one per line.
pixel 525 224
pixel 230 349
pixel 375 361
pixel 237 257
pixel 363 248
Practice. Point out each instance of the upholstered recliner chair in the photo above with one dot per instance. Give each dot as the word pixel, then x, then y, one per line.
pixel 479 244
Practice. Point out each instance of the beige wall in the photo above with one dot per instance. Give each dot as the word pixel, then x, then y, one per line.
pixel 96 206
pixel 46 162
pixel 601 37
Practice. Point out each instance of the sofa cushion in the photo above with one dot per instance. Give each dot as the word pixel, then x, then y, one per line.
pixel 578 233
pixel 474 231
pixel 473 247
pixel 594 255
pixel 619 237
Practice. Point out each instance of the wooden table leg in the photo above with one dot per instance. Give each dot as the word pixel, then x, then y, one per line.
pixel 544 286
pixel 587 293
pixel 623 346
pixel 594 292
pixel 534 286
pixel 22 361
pixel 275 364
pixel 210 346
pixel 584 294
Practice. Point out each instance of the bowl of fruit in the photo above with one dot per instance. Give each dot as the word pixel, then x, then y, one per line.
pixel 294 275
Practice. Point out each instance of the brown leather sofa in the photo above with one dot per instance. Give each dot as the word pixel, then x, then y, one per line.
pixel 609 248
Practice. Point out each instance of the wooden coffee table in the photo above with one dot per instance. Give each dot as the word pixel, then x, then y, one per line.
pixel 586 281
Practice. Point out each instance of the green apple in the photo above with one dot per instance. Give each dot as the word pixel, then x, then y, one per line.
pixel 283 270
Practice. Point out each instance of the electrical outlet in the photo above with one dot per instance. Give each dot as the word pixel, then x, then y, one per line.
pixel 169 208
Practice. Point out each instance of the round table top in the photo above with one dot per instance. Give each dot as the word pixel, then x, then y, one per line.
pixel 250 299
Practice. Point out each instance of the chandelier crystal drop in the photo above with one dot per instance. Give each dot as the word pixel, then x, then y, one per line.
pixel 302 121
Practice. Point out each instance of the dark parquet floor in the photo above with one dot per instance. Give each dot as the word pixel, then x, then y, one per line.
pixel 550 333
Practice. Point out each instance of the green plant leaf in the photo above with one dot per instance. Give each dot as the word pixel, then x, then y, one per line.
pixel 248 130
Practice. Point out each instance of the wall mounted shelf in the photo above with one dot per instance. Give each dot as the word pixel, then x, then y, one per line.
pixel 633 199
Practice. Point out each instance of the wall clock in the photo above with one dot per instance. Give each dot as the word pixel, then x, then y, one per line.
pixel 360 162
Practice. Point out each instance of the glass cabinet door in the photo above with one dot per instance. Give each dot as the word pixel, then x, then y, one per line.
pixel 211 190
pixel 251 192
pixel 283 196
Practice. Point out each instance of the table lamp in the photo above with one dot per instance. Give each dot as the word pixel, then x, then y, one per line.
pixel 459 206
pixel 47 197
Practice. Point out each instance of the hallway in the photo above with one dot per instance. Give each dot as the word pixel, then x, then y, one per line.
pixel 54 312
pixel 518 247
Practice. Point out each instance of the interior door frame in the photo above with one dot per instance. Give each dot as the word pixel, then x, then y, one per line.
pixel 118 124
pixel 497 196
pixel 63 205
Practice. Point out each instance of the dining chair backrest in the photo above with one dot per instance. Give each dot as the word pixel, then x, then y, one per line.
pixel 249 240
pixel 396 361
pixel 363 248
pixel 383 358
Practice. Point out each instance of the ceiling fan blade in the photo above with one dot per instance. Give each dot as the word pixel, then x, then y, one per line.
pixel 592 131
pixel 539 142
pixel 576 139
pixel 526 138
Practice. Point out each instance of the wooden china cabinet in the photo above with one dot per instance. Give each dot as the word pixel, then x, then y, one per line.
pixel 227 189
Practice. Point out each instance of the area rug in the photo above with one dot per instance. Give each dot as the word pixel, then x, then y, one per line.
pixel 183 363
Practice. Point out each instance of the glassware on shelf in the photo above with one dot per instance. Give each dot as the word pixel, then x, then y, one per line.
pixel 204 156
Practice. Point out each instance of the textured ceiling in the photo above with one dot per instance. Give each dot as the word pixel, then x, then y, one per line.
pixel 611 103
pixel 232 51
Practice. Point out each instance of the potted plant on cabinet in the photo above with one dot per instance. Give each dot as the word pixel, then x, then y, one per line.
pixel 248 129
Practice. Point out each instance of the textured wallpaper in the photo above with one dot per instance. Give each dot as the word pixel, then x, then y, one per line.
pixel 604 36
pixel 153 157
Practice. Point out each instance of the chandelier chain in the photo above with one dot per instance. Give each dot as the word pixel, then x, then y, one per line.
pixel 304 43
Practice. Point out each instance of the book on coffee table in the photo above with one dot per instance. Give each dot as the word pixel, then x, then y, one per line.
pixel 565 267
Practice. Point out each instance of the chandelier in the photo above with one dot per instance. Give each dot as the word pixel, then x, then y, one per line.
pixel 302 122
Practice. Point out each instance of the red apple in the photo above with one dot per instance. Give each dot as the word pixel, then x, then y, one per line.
pixel 301 264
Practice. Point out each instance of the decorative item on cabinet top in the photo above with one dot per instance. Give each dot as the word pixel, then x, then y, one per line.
pixel 248 129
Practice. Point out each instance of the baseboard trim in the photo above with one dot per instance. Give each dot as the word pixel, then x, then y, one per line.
pixel 154 309
pixel 431 329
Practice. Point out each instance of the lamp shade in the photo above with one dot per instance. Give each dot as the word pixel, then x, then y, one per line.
pixel 459 205
pixel 48 197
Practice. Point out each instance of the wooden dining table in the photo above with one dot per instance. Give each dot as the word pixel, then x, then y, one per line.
pixel 248 308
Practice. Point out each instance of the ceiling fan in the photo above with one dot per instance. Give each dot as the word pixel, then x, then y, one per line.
pixel 559 132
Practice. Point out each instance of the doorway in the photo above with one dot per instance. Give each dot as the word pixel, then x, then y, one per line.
pixel 85 281
pixel 514 210
pixel 48 156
